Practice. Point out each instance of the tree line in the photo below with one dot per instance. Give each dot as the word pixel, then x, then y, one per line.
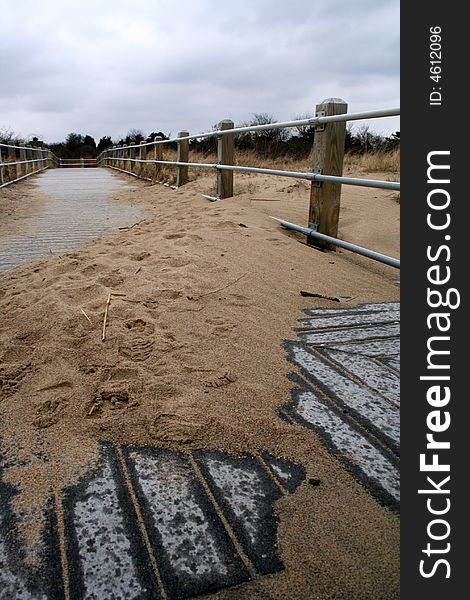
pixel 293 142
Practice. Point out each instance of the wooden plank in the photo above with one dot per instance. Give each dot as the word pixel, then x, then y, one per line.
pixel 328 154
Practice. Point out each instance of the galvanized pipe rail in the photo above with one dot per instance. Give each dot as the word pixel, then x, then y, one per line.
pixel 23 166
pixel 319 120
pixel 388 260
pixel 372 183
pixel 77 162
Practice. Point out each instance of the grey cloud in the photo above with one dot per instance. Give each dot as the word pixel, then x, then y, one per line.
pixel 104 67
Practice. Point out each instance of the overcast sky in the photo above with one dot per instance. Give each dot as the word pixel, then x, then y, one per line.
pixel 102 67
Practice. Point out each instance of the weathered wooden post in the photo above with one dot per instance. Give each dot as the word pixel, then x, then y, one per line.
pixel 328 155
pixel 29 164
pixel 14 170
pixel 22 159
pixel 225 156
pixel 157 155
pixel 1 168
pixel 142 156
pixel 132 155
pixel 182 156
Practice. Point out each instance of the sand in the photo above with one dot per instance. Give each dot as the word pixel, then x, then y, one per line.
pixel 202 295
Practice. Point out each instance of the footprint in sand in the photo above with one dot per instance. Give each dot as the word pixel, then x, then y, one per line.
pixel 90 270
pixel 122 374
pixel 138 342
pixel 221 381
pixel 111 281
pixel 109 398
pixel 220 327
pixel 173 427
pixel 11 376
pixel 177 262
pixel 49 412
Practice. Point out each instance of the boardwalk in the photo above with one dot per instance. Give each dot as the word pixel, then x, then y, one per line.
pixel 78 207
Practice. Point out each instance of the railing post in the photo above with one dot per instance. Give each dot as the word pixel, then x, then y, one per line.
pixel 15 172
pixel 132 156
pixel 28 158
pixel 1 168
pixel 182 156
pixel 23 170
pixel 157 155
pixel 225 156
pixel 328 155
pixel 142 156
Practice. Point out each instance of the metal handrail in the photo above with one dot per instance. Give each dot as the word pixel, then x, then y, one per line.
pixel 45 155
pixel 356 116
pixel 372 183
pixel 388 260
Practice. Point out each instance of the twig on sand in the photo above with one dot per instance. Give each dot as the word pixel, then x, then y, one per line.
pixel 117 294
pixel 218 289
pixel 138 270
pixel 314 295
pixel 86 316
pixel 131 226
pixel 103 336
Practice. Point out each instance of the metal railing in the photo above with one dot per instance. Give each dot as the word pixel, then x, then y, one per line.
pixel 17 162
pixel 326 177
pixel 81 163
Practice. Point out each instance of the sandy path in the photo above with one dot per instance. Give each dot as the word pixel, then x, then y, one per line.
pixel 194 351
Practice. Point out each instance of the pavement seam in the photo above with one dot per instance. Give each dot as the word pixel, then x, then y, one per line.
pixel 319 354
pixel 262 462
pixel 246 561
pixel 337 408
pixel 140 521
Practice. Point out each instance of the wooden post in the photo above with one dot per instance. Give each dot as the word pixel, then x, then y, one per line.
pixel 328 154
pixel 1 168
pixel 182 156
pixel 157 155
pixel 142 156
pixel 14 171
pixel 22 157
pixel 133 154
pixel 28 157
pixel 225 156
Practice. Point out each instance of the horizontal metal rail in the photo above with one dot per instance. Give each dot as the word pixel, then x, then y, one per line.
pixel 23 177
pixel 23 162
pixel 373 183
pixel 357 116
pixel 130 173
pixel 44 155
pixel 2 145
pixel 388 260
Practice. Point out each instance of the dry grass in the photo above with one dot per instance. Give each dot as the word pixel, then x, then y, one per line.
pixel 385 163
pixel 374 162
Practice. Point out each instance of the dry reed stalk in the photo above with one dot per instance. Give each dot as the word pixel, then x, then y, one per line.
pixel 103 336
